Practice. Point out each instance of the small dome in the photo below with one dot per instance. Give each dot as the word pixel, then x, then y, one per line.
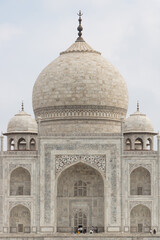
pixel 138 122
pixel 22 123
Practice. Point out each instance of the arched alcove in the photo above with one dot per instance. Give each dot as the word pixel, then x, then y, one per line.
pixel 80 188
pixel 149 144
pixel 140 182
pixel 128 144
pixel 138 144
pixel 22 145
pixel 20 182
pixel 32 144
pixel 20 219
pixel 140 219
pixel 11 144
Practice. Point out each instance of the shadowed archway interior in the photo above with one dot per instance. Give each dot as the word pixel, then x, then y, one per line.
pixel 80 191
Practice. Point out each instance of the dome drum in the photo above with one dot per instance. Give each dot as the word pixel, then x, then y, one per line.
pixel 79 128
pixel 81 112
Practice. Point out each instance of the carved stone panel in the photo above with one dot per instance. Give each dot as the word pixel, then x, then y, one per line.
pixel 98 161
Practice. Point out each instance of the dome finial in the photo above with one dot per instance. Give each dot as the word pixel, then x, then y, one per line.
pixel 80 28
pixel 22 107
pixel 137 106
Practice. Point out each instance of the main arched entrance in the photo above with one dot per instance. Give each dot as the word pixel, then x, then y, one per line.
pixel 80 199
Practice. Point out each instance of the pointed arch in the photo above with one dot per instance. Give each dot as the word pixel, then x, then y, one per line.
pixel 140 181
pixel 20 182
pixel 22 145
pixel 140 219
pixel 85 163
pixel 32 144
pixel 11 144
pixel 20 219
pixel 149 145
pixel 138 144
pixel 128 144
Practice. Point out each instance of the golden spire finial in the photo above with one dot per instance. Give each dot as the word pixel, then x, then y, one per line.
pixel 137 106
pixel 22 108
pixel 80 28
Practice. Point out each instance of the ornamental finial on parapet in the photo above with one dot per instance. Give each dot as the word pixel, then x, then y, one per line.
pixel 80 28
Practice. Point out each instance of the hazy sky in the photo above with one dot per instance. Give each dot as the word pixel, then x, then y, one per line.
pixel 34 32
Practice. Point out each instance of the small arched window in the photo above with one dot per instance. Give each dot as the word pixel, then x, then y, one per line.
pixel 128 144
pixel 138 144
pixel 11 144
pixel 32 144
pixel 22 144
pixel 80 189
pixel 149 144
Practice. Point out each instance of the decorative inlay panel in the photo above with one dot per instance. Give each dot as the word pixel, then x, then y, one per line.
pixel 99 161
pixel 133 166
pixel 15 203
pixel 16 165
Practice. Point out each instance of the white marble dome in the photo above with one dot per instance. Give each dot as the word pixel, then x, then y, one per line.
pixel 80 83
pixel 22 123
pixel 138 123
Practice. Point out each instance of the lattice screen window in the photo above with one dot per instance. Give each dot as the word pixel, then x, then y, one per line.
pixel 80 189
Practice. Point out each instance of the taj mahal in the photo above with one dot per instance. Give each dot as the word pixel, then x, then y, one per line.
pixel 80 163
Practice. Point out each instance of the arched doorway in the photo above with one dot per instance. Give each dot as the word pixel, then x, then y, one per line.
pixel 140 182
pixel 80 199
pixel 20 220
pixel 80 219
pixel 128 144
pixel 20 182
pixel 138 144
pixel 140 219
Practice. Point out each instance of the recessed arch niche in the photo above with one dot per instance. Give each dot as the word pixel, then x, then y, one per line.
pixel 20 219
pixel 20 182
pixel 140 219
pixel 140 182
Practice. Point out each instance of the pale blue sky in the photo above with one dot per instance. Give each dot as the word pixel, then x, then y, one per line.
pixel 34 32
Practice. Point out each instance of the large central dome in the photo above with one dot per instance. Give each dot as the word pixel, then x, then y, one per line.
pixel 80 84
